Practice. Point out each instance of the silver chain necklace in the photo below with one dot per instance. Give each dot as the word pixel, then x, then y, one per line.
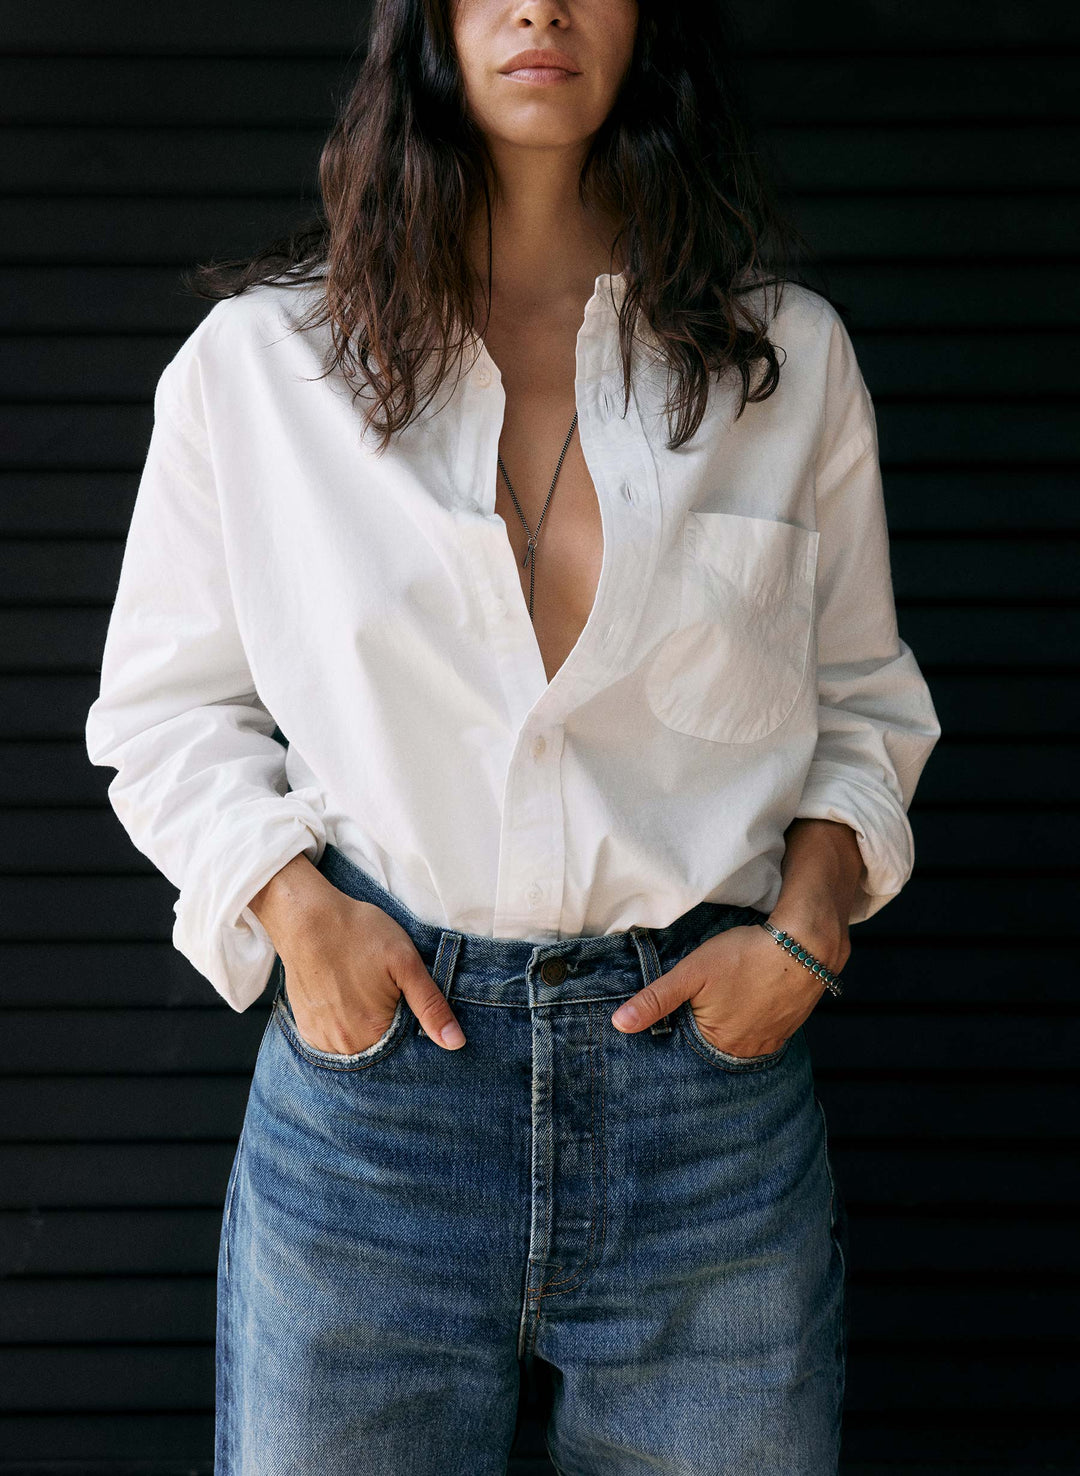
pixel 530 552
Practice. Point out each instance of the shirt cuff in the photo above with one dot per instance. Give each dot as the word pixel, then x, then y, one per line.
pixel 880 824
pixel 215 929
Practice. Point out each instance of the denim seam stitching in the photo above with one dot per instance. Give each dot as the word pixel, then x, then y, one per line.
pixel 539 1004
pixel 568 1283
pixel 841 1348
pixel 232 1194
pixel 449 943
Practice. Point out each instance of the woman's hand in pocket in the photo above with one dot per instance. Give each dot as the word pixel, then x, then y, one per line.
pixel 346 964
pixel 748 995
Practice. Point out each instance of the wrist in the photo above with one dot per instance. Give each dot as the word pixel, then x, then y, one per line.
pixel 817 926
pixel 296 896
pixel 822 869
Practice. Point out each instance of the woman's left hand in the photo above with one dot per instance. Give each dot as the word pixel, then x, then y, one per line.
pixel 747 993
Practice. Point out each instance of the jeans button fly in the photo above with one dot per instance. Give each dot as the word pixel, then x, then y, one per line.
pixel 553 970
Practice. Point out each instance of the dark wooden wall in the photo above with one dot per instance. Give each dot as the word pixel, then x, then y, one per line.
pixel 930 153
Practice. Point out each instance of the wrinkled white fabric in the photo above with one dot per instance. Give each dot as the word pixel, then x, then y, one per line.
pixel 741 665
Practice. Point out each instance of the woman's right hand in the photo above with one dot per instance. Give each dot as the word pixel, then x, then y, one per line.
pixel 346 964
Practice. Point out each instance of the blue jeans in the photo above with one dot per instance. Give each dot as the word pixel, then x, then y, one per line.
pixel 654 1218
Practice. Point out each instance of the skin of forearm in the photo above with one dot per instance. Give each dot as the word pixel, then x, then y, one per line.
pixel 296 896
pixel 821 870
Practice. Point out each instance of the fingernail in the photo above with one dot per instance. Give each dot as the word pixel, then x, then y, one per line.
pixel 452 1035
pixel 625 1017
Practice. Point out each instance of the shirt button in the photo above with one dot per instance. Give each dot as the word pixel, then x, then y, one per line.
pixel 535 895
pixel 553 970
pixel 498 607
pixel 539 747
pixel 483 376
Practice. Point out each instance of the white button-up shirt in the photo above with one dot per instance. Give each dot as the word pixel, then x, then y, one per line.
pixel 740 666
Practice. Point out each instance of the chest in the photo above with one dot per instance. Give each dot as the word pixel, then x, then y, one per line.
pixel 538 369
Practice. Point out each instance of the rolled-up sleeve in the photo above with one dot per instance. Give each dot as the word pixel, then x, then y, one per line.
pixel 200 783
pixel 876 720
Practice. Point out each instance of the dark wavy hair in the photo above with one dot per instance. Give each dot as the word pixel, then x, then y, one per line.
pixel 404 170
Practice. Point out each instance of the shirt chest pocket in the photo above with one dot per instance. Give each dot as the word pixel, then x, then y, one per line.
pixel 734 666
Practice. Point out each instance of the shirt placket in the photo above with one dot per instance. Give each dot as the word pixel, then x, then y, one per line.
pixel 532 842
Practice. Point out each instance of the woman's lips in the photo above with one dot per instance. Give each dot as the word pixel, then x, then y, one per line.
pixel 542 75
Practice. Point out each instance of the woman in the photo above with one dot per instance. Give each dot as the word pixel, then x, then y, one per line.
pixel 600 735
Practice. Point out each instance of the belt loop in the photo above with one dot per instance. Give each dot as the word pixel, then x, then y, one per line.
pixel 650 968
pixel 442 970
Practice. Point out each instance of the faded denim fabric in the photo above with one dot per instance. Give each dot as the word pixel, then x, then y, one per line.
pixel 653 1217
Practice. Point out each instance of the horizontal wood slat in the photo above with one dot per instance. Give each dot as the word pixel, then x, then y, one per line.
pixel 192 1041
pixel 179 1108
pixel 168 230
pixel 158 1377
pixel 161 162
pixel 905 1099
pixel 259 160
pixel 986 706
pixel 66 573
pixel 909 296
pixel 55 773
pixel 979 636
pixel 291 91
pixel 126 27
pixel 977 841
pixel 1034 1447
pixel 892 962
pixel 138 907
pixel 921 502
pixel 110 1444
pixel 989 361
pixel 94 92
pixel 969 432
pixel 65 27
pixel 918 158
pixel 931 1175
pixel 887 1243
pixel 133 1041
pixel 180 1309
pixel 76 1431
pixel 171 1241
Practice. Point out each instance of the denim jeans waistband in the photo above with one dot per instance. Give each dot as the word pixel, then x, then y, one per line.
pixel 516 971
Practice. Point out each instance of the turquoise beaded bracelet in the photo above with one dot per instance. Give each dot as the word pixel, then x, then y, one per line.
pixel 832 981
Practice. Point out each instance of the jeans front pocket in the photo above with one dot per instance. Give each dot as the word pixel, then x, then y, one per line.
pixel 391 1037
pixel 687 1022
pixel 735 665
